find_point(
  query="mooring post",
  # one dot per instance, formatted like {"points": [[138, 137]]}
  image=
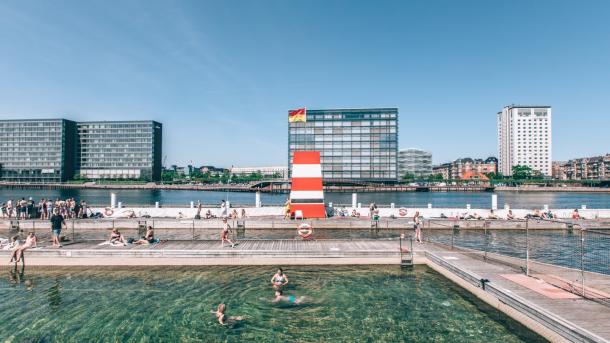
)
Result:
{"points": [[582, 264], [527, 247]]}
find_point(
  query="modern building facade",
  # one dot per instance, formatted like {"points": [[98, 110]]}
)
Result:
{"points": [[57, 150], [415, 162], [525, 138], [119, 150], [356, 145], [37, 151], [463, 168], [586, 168]]}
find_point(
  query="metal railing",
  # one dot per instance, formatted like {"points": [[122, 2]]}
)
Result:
{"points": [[575, 258]]}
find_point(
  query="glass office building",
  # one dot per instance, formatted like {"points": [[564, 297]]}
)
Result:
{"points": [[119, 150], [416, 162], [37, 151], [356, 145]]}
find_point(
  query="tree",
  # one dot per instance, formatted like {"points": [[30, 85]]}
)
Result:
{"points": [[522, 172], [435, 178], [408, 177]]}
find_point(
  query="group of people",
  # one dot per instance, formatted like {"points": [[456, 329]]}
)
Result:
{"points": [[278, 282], [44, 209]]}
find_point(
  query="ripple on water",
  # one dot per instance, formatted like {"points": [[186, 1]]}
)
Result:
{"points": [[343, 303]]}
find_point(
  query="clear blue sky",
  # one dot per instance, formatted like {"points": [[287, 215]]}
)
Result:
{"points": [[221, 75]]}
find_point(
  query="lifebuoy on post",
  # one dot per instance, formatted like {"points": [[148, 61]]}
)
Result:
{"points": [[402, 212], [305, 230], [108, 212]]}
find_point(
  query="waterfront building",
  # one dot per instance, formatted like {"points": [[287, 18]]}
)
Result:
{"points": [[212, 170], [119, 150], [586, 168], [37, 150], [356, 145], [281, 171], [415, 162], [467, 168], [525, 138]]}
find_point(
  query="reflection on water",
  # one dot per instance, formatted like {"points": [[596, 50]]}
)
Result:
{"points": [[342, 304], [407, 199], [559, 247]]}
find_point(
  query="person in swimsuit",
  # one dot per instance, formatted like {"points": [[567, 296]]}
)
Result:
{"points": [[149, 238], [279, 280], [224, 234], [116, 237], [222, 317], [30, 242], [291, 299], [416, 226]]}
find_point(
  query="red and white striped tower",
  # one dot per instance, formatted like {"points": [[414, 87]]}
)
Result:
{"points": [[306, 193]]}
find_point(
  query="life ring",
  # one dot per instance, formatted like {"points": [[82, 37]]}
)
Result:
{"points": [[108, 212], [305, 230], [402, 212]]}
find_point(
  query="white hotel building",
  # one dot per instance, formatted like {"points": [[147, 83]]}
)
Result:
{"points": [[525, 138]]}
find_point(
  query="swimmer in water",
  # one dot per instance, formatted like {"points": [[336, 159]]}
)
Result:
{"points": [[291, 299], [279, 280], [223, 319]]}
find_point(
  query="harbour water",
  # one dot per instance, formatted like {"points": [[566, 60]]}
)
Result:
{"points": [[342, 304], [525, 200]]}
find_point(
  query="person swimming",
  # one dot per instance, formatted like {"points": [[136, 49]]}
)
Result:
{"points": [[222, 317], [279, 280], [291, 299]]}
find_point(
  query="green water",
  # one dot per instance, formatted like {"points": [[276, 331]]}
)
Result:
{"points": [[172, 304]]}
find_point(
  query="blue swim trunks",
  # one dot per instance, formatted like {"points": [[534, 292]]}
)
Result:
{"points": [[56, 232]]}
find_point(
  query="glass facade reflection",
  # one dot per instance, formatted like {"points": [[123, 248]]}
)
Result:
{"points": [[354, 144], [37, 151], [119, 150]]}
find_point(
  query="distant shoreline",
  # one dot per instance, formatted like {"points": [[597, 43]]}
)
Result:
{"points": [[334, 189]]}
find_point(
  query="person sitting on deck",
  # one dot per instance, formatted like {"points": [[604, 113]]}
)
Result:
{"points": [[30, 242], [208, 214], [355, 213], [243, 213], [117, 237], [575, 214], [149, 238], [474, 216], [510, 215], [233, 214], [492, 215]]}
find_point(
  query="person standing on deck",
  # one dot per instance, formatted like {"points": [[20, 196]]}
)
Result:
{"points": [[57, 222], [224, 211], [416, 226], [224, 234]]}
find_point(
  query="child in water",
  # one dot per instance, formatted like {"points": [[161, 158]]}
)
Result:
{"points": [[291, 299], [223, 319]]}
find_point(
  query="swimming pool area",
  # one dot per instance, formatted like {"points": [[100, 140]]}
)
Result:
{"points": [[342, 304]]}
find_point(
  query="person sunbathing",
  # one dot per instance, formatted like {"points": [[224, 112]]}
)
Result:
{"points": [[116, 237], [149, 238], [30, 242]]}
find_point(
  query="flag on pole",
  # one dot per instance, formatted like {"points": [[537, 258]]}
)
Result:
{"points": [[296, 116]]}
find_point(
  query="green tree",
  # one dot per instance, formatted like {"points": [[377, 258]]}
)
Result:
{"points": [[435, 178], [522, 172], [408, 177]]}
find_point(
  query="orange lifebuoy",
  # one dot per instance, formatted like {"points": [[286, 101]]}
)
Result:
{"points": [[108, 212], [305, 230], [402, 212]]}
